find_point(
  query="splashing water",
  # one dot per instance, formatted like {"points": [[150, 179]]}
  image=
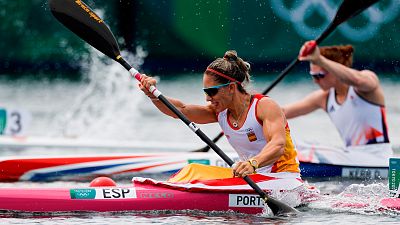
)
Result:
{"points": [[299, 196], [101, 109], [356, 198]]}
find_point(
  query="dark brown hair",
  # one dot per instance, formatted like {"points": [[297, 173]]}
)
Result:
{"points": [[232, 66], [342, 54]]}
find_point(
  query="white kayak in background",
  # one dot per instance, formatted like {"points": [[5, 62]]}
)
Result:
{"points": [[374, 155], [41, 159]]}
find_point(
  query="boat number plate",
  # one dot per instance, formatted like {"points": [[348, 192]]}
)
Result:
{"points": [[245, 200], [102, 193], [364, 173]]}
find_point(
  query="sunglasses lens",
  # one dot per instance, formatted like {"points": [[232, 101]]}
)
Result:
{"points": [[211, 91], [317, 76]]}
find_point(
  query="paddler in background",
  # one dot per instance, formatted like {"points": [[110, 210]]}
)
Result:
{"points": [[254, 124], [353, 99]]}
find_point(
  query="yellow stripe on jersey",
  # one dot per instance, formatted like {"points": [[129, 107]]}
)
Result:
{"points": [[288, 161]]}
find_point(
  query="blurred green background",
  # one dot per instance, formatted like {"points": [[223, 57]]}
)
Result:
{"points": [[180, 36]]}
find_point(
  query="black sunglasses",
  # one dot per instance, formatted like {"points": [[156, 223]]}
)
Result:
{"points": [[211, 91], [317, 75]]}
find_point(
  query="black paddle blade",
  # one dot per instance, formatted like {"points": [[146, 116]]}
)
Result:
{"points": [[80, 19], [279, 208], [351, 8]]}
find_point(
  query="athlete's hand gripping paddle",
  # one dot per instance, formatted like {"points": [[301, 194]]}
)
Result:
{"points": [[308, 48]]}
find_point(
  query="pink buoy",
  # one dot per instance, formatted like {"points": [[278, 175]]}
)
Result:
{"points": [[102, 182]]}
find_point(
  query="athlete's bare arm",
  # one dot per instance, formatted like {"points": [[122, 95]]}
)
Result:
{"points": [[310, 103]]}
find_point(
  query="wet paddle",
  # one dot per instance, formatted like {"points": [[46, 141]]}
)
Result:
{"points": [[347, 10], [81, 20]]}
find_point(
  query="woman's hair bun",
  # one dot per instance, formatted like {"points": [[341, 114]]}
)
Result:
{"points": [[231, 55]]}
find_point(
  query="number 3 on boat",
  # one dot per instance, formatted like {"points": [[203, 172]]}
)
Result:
{"points": [[14, 122]]}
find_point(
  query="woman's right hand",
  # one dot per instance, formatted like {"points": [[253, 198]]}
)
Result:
{"points": [[145, 83], [309, 52]]}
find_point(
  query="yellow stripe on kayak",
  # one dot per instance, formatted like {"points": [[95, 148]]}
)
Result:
{"points": [[195, 171]]}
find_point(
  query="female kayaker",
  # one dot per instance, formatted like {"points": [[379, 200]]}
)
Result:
{"points": [[254, 125], [353, 99]]}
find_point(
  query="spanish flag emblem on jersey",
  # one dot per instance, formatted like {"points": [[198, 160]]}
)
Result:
{"points": [[251, 135]]}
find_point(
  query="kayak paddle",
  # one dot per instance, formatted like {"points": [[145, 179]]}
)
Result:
{"points": [[80, 19], [347, 10]]}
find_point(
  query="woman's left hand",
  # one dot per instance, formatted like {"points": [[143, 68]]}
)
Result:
{"points": [[242, 169]]}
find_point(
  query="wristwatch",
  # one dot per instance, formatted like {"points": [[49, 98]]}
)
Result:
{"points": [[254, 163]]}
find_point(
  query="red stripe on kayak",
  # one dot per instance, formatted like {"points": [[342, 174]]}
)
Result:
{"points": [[146, 183], [13, 169], [234, 181]]}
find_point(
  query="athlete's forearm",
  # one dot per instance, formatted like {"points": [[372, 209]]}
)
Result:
{"points": [[271, 153], [347, 75], [164, 109]]}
